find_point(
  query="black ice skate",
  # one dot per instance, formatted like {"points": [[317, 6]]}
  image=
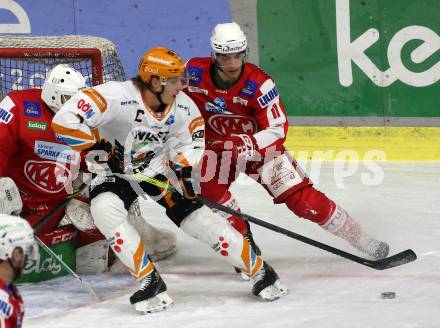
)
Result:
{"points": [[267, 285], [152, 296], [373, 247]]}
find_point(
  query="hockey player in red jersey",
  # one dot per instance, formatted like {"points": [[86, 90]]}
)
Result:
{"points": [[246, 127], [36, 167], [17, 245]]}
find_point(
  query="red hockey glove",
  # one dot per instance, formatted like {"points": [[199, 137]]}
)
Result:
{"points": [[242, 146]]}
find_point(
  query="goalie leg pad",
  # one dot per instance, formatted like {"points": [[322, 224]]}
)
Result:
{"points": [[214, 230], [160, 244], [92, 258], [78, 213]]}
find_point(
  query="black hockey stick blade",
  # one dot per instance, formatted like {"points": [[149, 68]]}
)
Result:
{"points": [[393, 261]]}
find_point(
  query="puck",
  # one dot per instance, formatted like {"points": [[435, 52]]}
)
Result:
{"points": [[388, 295]]}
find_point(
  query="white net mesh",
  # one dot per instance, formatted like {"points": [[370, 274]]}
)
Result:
{"points": [[25, 60]]}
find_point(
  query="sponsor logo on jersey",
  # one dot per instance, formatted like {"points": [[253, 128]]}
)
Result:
{"points": [[47, 176], [241, 101], [197, 90], [129, 102], [249, 89], [226, 125], [97, 98], [195, 74], [149, 136], [265, 99], [7, 104], [170, 120], [56, 152], [34, 125], [219, 106], [221, 91], [6, 308], [5, 116], [86, 108], [32, 109]]}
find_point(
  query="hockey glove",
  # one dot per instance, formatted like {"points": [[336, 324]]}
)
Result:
{"points": [[10, 199], [187, 182], [114, 158], [241, 146]]}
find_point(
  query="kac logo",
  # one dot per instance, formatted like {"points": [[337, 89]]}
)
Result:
{"points": [[354, 51]]}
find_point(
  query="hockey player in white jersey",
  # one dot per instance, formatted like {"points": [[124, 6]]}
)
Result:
{"points": [[160, 131]]}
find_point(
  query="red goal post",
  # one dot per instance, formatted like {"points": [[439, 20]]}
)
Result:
{"points": [[25, 60]]}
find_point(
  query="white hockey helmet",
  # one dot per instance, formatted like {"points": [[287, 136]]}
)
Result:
{"points": [[228, 38], [16, 232], [61, 83]]}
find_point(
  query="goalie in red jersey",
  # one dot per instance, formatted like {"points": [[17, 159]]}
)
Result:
{"points": [[246, 127]]}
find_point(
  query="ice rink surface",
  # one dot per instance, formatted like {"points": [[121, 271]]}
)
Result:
{"points": [[325, 290]]}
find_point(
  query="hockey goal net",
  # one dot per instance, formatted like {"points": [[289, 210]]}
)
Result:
{"points": [[25, 60]]}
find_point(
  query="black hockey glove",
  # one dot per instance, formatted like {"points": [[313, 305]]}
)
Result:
{"points": [[187, 181], [115, 157]]}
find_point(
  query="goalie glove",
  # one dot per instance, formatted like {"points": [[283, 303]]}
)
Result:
{"points": [[10, 200], [242, 146]]}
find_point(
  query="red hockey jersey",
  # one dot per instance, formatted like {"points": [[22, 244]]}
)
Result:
{"points": [[252, 106], [30, 153], [11, 307]]}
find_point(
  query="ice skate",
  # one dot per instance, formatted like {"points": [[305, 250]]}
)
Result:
{"points": [[267, 285], [152, 296], [373, 247]]}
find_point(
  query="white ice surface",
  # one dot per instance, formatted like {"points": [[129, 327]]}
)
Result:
{"points": [[325, 290]]}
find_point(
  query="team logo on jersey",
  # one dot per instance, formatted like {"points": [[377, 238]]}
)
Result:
{"points": [[170, 120], [32, 109], [195, 74], [34, 125], [47, 176], [226, 125], [5, 116], [266, 99], [56, 152], [249, 89]]}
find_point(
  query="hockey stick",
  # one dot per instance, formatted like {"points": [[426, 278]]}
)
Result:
{"points": [[60, 206], [386, 263], [85, 284]]}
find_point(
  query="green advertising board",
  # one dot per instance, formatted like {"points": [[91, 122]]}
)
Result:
{"points": [[45, 267], [369, 58]]}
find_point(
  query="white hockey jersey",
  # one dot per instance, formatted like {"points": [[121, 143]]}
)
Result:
{"points": [[115, 111]]}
